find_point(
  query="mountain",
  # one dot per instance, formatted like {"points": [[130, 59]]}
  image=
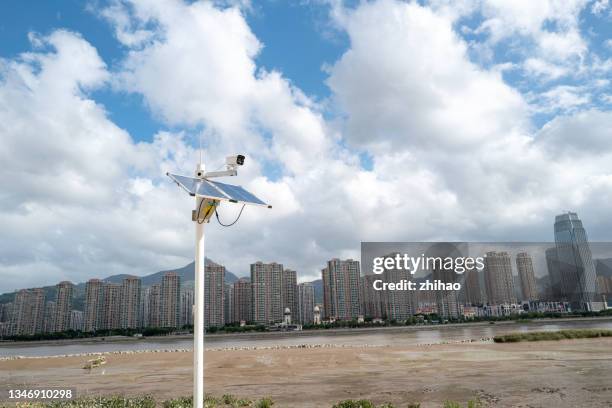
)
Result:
{"points": [[318, 290], [187, 274]]}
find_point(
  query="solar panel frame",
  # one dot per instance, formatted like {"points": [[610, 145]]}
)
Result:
{"points": [[237, 193], [216, 190]]}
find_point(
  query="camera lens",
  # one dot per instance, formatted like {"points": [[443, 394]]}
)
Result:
{"points": [[240, 160]]}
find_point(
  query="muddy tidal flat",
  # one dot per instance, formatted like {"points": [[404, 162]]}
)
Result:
{"points": [[568, 373]]}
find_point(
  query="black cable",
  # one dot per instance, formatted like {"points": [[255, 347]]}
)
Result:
{"points": [[235, 221]]}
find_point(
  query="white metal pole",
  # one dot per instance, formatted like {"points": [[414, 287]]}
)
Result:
{"points": [[198, 321]]}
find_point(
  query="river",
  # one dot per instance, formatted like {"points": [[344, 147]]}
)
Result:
{"points": [[388, 336]]}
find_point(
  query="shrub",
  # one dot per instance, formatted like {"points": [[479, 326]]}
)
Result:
{"points": [[554, 335]]}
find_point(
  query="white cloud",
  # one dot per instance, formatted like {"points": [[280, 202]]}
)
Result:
{"points": [[599, 6], [455, 155], [74, 196], [563, 98]]}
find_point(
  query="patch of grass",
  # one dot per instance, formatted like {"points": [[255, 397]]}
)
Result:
{"points": [[98, 402], [552, 335], [226, 401], [470, 404], [355, 404]]}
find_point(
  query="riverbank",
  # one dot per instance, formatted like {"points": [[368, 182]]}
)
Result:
{"points": [[566, 373]]}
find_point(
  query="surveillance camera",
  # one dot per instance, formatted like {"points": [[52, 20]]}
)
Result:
{"points": [[237, 160]]}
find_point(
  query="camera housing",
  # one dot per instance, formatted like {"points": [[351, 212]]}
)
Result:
{"points": [[231, 168], [236, 160]]}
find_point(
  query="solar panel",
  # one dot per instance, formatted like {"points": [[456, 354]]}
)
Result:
{"points": [[215, 190], [237, 193]]}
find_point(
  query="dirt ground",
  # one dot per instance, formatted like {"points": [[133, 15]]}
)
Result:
{"points": [[570, 373]]}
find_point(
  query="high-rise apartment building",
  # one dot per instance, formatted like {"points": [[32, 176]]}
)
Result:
{"points": [[130, 302], [6, 312], [526, 273], [6, 319], [554, 274], [289, 293], [577, 270], [499, 282], [228, 303], [144, 307], [214, 295], [76, 320], [372, 302], [28, 312], [49, 319], [63, 305], [266, 289], [170, 300], [110, 313], [242, 310], [327, 292], [93, 305], [187, 302], [155, 306], [305, 304], [604, 285], [471, 287], [397, 304], [341, 281]]}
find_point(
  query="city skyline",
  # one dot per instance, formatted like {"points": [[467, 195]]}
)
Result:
{"points": [[273, 295]]}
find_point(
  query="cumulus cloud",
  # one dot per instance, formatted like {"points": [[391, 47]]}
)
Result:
{"points": [[75, 201], [454, 152]]}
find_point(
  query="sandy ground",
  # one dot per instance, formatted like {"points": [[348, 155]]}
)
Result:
{"points": [[570, 373]]}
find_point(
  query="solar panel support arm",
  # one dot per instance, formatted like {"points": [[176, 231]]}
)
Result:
{"points": [[224, 173]]}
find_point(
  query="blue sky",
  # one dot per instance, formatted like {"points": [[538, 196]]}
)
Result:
{"points": [[297, 38], [375, 120]]}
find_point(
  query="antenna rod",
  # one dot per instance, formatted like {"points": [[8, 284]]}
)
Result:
{"points": [[200, 147]]}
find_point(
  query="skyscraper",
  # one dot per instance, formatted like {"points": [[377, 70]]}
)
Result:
{"points": [[228, 303], [289, 293], [93, 305], [524, 265], [242, 310], [341, 289], [327, 291], [577, 271], [6, 312], [472, 289], [214, 295], [28, 312], [170, 300], [604, 285], [499, 282], [187, 302], [372, 302], [305, 305], [130, 302], [266, 285], [447, 301], [554, 274], [49, 320], [396, 304], [63, 305], [76, 320], [155, 306], [110, 313]]}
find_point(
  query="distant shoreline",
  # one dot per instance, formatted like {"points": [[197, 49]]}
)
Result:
{"points": [[305, 333]]}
